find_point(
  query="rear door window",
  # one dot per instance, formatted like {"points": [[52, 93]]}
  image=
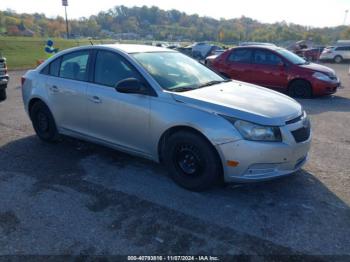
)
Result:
{"points": [[240, 56], [75, 66]]}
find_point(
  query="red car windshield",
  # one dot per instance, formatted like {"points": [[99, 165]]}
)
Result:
{"points": [[291, 57]]}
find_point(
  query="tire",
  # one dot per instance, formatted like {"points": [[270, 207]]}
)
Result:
{"points": [[43, 122], [301, 89], [192, 161], [3, 95], [338, 59]]}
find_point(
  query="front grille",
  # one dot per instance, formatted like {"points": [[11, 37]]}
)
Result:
{"points": [[294, 120], [301, 134]]}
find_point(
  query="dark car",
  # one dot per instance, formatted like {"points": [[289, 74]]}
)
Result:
{"points": [[4, 78], [278, 69], [312, 54]]}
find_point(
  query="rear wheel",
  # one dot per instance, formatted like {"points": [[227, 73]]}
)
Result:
{"points": [[300, 88], [43, 122], [338, 59], [2, 94], [192, 161]]}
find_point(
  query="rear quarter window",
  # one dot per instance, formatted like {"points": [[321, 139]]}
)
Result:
{"points": [[53, 68]]}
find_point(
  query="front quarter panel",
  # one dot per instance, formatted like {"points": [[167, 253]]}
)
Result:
{"points": [[167, 113]]}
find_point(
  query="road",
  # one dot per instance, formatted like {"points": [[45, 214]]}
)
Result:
{"points": [[75, 197]]}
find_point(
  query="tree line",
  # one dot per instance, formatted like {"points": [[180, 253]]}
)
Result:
{"points": [[156, 24]]}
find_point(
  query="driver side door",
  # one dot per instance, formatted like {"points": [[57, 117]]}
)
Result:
{"points": [[119, 119]]}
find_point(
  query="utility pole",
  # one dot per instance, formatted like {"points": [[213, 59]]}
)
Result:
{"points": [[65, 4], [345, 16]]}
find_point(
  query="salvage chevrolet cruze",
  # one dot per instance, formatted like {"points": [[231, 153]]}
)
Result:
{"points": [[162, 105]]}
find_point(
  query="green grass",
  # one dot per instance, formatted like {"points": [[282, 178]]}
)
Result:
{"points": [[23, 52]]}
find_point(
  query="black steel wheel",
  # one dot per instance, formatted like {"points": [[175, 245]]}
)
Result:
{"points": [[43, 122], [192, 161], [301, 89]]}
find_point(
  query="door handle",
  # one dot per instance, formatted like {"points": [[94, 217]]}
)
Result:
{"points": [[54, 89], [95, 99]]}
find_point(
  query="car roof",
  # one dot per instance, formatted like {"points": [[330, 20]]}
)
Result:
{"points": [[133, 48], [270, 47]]}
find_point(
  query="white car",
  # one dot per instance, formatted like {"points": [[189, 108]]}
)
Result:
{"points": [[336, 53]]}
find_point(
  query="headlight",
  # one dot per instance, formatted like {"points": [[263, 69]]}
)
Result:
{"points": [[321, 76], [255, 132]]}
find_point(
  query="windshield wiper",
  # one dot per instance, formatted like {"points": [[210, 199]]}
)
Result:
{"points": [[182, 89], [211, 83]]}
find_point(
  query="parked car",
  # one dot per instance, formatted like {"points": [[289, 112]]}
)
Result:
{"points": [[278, 69], [165, 106], [4, 78], [312, 54], [202, 50], [255, 43], [336, 54]]}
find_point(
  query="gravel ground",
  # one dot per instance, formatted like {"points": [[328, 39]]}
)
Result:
{"points": [[76, 198]]}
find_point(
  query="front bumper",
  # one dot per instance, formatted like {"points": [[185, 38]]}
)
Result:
{"points": [[260, 161], [320, 88]]}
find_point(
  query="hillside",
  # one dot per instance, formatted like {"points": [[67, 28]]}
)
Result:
{"points": [[153, 23]]}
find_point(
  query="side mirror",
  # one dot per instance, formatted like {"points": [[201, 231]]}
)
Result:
{"points": [[131, 86]]}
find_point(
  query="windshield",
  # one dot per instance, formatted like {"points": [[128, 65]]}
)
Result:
{"points": [[291, 57], [177, 72]]}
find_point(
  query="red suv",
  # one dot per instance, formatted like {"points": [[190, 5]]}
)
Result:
{"points": [[277, 68]]}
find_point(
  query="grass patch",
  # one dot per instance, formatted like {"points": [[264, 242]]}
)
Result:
{"points": [[23, 52]]}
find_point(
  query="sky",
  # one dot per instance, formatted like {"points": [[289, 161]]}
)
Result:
{"points": [[315, 13]]}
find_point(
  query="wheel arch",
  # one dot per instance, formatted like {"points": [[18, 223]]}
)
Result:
{"points": [[35, 100], [181, 128], [341, 57], [290, 83]]}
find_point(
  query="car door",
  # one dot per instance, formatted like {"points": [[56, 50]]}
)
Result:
{"points": [[120, 119], [66, 84], [238, 64], [268, 69]]}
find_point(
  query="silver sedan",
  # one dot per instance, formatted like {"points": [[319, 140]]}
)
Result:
{"points": [[162, 105]]}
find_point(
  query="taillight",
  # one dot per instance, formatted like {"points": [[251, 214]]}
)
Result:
{"points": [[23, 79]]}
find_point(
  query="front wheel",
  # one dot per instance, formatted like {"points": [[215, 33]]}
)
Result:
{"points": [[3, 94], [301, 89], [192, 161], [43, 122]]}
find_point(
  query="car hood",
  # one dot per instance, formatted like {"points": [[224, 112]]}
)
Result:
{"points": [[212, 57], [319, 68], [243, 101]]}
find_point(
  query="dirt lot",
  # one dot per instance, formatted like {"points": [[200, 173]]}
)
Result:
{"points": [[79, 198]]}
